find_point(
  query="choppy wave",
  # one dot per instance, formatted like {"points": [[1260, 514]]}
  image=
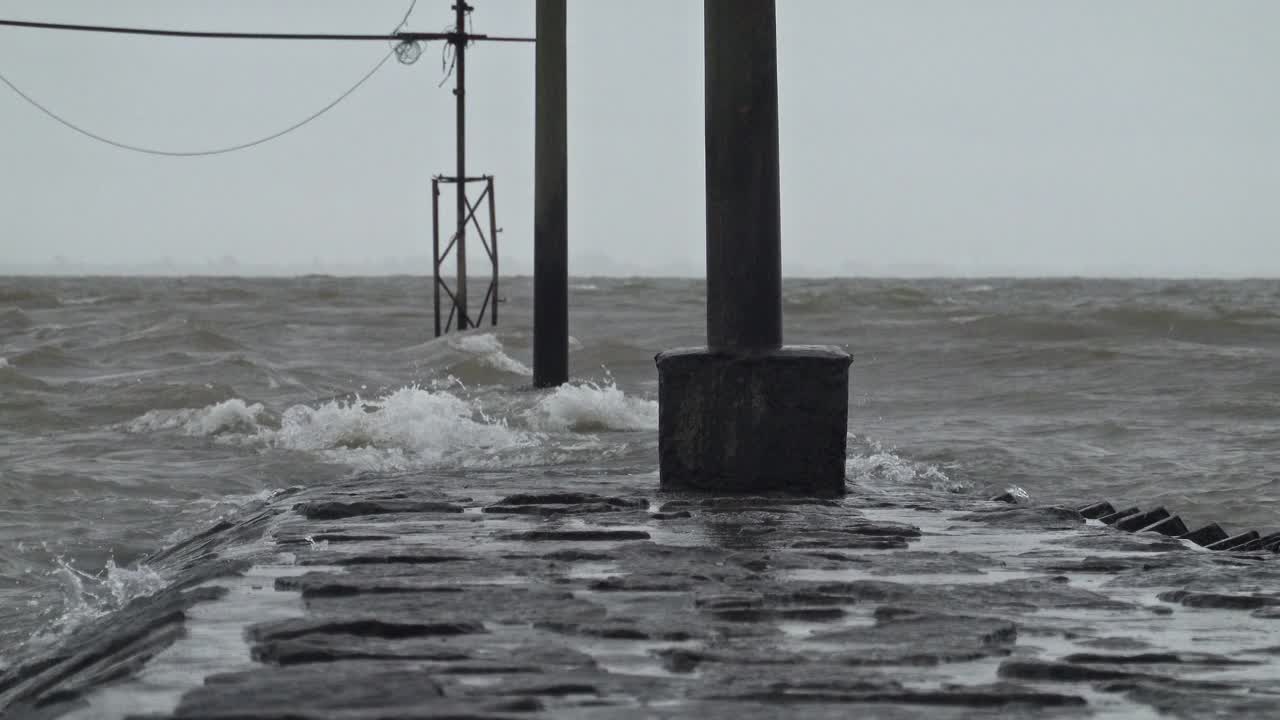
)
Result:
{"points": [[233, 416], [411, 427], [1123, 321], [871, 464], [118, 298], [46, 356], [839, 297], [85, 596], [490, 352], [11, 377], [171, 336], [122, 400], [587, 407], [13, 320], [218, 295], [143, 395], [29, 298]]}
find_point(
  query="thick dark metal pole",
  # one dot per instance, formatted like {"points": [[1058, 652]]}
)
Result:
{"points": [[744, 231], [460, 91], [550, 202], [746, 414]]}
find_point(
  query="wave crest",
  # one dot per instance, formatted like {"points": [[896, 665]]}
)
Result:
{"points": [[86, 596], [587, 407], [28, 298], [13, 320], [881, 467], [429, 425], [408, 428], [488, 349], [233, 416]]}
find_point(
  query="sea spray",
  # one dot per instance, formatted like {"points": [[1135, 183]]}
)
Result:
{"points": [[86, 596], [880, 467], [588, 407], [429, 425]]}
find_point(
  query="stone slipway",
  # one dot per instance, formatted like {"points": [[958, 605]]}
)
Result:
{"points": [[392, 598]]}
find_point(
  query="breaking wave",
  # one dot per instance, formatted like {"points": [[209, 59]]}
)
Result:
{"points": [[880, 467], [413, 427], [227, 417], [488, 349], [87, 596], [410, 427], [587, 407]]}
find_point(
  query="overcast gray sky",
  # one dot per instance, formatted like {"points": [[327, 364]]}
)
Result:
{"points": [[918, 136]]}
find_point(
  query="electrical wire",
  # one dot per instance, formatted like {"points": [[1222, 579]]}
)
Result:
{"points": [[221, 150], [198, 153], [220, 35], [405, 20], [192, 33]]}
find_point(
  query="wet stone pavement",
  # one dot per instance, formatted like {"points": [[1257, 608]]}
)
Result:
{"points": [[380, 599]]}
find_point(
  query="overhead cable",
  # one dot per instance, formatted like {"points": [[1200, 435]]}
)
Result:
{"points": [[220, 35], [397, 51], [197, 153]]}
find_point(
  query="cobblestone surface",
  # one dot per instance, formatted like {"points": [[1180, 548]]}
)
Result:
{"points": [[382, 598]]}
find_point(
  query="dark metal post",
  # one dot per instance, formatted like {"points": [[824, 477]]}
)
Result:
{"points": [[435, 245], [493, 248], [746, 414], [550, 201], [460, 91], [744, 230]]}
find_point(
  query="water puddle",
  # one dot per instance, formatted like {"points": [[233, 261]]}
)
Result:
{"points": [[214, 643]]}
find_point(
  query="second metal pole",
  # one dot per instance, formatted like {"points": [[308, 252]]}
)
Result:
{"points": [[550, 201], [460, 91], [744, 230]]}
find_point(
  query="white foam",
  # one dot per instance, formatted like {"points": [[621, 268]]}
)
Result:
{"points": [[86, 596], [415, 427], [410, 427], [1018, 494], [233, 416], [488, 348], [587, 407], [882, 467], [4, 363]]}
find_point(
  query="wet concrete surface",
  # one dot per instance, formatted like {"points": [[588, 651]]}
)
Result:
{"points": [[383, 598]]}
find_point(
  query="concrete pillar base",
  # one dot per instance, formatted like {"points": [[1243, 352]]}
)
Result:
{"points": [[753, 422]]}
